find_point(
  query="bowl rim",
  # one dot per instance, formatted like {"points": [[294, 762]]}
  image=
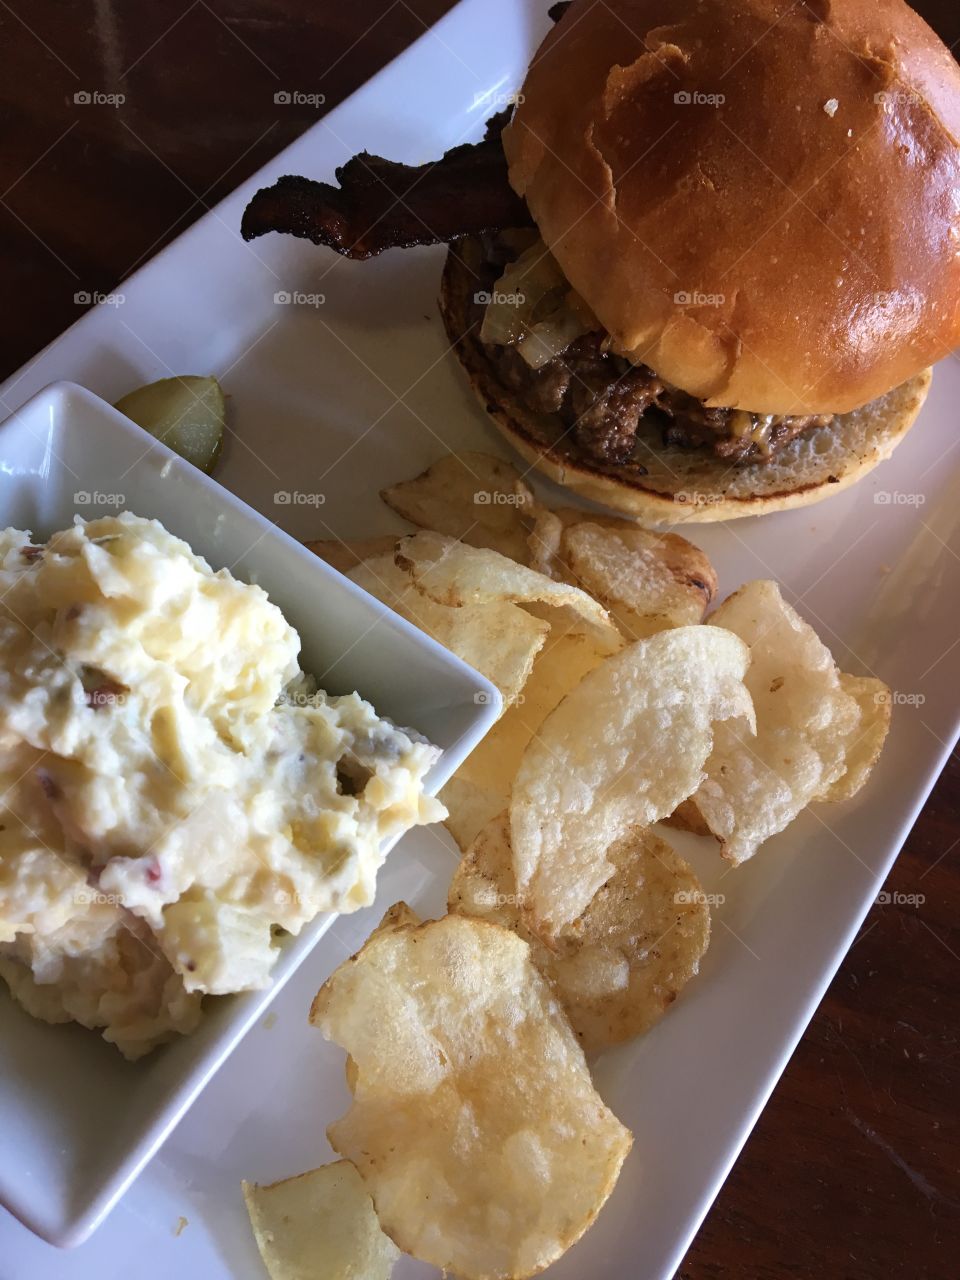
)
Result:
{"points": [[50, 1222]]}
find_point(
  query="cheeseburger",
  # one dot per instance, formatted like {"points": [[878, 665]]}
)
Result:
{"points": [[702, 266]]}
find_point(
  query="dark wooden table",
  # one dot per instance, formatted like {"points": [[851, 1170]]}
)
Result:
{"points": [[852, 1171]]}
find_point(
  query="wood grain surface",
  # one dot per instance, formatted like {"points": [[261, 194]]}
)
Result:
{"points": [[852, 1171]]}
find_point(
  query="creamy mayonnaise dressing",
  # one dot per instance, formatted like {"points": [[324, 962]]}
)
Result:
{"points": [[173, 791]]}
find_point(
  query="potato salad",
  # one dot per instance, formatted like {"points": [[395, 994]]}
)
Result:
{"points": [[175, 793]]}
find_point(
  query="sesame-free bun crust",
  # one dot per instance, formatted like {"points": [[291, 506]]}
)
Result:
{"points": [[813, 215], [672, 485]]}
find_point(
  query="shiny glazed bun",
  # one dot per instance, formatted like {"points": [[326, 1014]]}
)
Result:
{"points": [[759, 199]]}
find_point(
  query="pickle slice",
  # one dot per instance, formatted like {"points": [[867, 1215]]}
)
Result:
{"points": [[186, 413]]}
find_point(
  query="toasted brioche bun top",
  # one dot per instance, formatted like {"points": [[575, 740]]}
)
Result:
{"points": [[793, 248]]}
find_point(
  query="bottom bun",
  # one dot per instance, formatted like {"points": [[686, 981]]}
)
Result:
{"points": [[667, 484]]}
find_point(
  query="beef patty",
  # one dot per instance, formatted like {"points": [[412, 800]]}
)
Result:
{"points": [[601, 397]]}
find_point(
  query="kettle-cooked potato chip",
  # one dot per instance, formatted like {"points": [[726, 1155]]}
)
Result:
{"points": [[622, 750], [475, 1123], [471, 496], [320, 1223], [813, 738], [647, 581], [451, 573], [480, 789], [543, 543], [875, 703], [621, 964], [498, 638]]}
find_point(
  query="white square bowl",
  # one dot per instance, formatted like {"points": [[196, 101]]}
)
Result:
{"points": [[79, 1121]]}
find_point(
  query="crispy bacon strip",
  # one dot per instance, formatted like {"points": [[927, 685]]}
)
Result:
{"points": [[380, 204]]}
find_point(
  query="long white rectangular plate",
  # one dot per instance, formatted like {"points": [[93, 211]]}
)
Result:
{"points": [[340, 397]]}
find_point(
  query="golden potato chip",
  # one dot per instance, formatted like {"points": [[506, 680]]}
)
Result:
{"points": [[875, 703], [499, 639], [480, 789], [469, 797], [345, 556], [475, 1123], [474, 497], [807, 726], [543, 542], [647, 581], [625, 960], [380, 576], [622, 750], [394, 917], [454, 574], [320, 1223], [569, 516]]}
